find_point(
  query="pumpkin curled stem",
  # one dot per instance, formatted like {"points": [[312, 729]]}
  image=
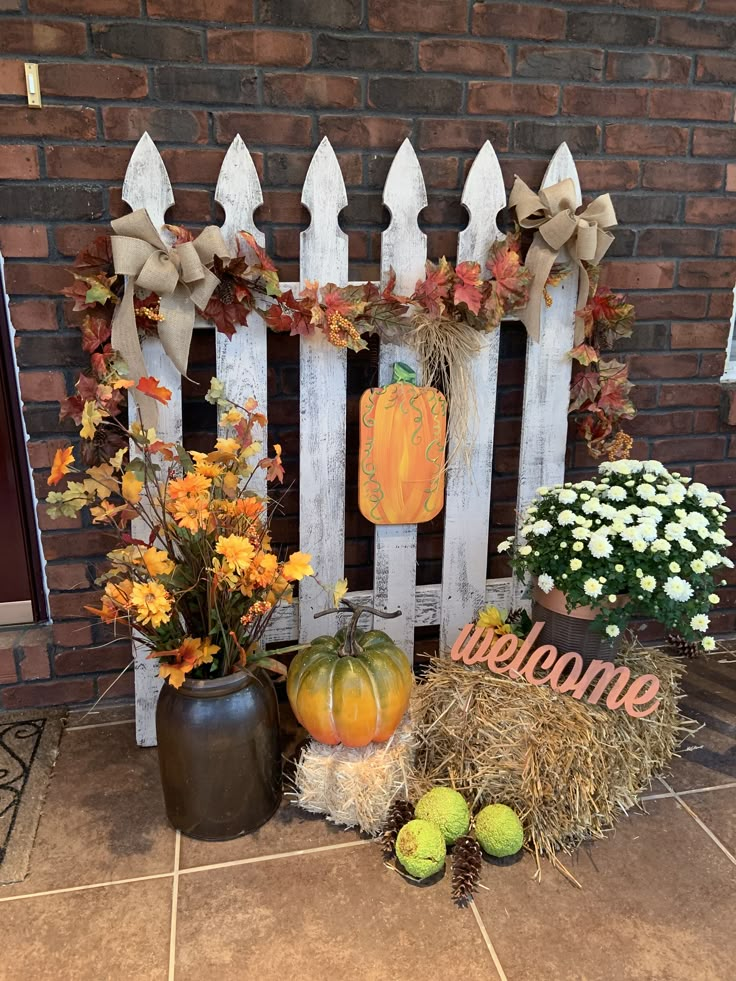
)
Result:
{"points": [[350, 647]]}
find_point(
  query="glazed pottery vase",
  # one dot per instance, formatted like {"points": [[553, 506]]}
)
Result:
{"points": [[219, 754], [572, 631]]}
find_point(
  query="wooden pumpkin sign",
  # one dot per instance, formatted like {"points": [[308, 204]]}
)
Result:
{"points": [[403, 431]]}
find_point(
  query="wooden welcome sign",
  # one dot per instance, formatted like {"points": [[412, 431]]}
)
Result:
{"points": [[566, 672]]}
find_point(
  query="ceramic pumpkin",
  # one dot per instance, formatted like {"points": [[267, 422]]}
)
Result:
{"points": [[352, 688], [403, 429]]}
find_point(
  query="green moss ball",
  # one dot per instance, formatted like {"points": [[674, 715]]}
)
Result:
{"points": [[420, 848], [499, 831], [446, 809]]}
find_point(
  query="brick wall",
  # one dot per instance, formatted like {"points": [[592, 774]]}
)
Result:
{"points": [[642, 91]]}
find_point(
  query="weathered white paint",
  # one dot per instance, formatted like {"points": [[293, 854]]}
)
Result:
{"points": [[322, 397], [468, 494], [547, 381], [242, 362], [147, 185], [403, 249]]}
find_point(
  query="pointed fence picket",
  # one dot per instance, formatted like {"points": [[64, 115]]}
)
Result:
{"points": [[242, 365]]}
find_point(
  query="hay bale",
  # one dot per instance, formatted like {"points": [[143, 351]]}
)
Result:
{"points": [[567, 767], [355, 787]]}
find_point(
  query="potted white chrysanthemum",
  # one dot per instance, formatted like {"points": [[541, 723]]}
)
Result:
{"points": [[639, 541]]}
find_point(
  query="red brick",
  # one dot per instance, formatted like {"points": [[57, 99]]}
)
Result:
{"points": [[81, 544], [8, 674], [257, 47], [34, 315], [656, 141], [85, 660], [710, 211], [34, 663], [71, 239], [716, 68], [579, 100], [707, 273], [727, 245], [542, 23], [118, 686], [731, 177], [223, 11], [608, 175], [638, 275], [644, 396], [730, 414], [712, 365], [697, 32], [48, 693], [716, 474], [676, 241], [302, 89], [169, 125], [35, 278], [42, 386], [710, 104], [643, 66], [560, 64], [71, 605], [65, 577], [424, 16], [23, 241], [461, 134], [667, 306], [19, 163], [282, 207], [191, 205], [699, 335], [114, 8], [46, 523], [266, 128], [689, 450], [12, 77], [67, 122], [511, 97], [705, 421], [36, 37], [72, 633], [661, 424], [713, 141], [93, 163], [369, 132], [464, 57], [679, 175], [721, 305], [81, 81], [694, 394], [663, 365]]}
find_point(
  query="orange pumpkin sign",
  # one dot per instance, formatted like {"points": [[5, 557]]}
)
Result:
{"points": [[403, 431]]}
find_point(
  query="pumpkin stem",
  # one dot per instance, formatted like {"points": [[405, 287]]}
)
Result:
{"points": [[403, 373], [350, 646]]}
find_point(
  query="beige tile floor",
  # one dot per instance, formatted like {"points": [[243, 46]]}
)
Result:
{"points": [[115, 895]]}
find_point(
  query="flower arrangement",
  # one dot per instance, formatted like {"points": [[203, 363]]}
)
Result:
{"points": [[202, 586], [638, 531]]}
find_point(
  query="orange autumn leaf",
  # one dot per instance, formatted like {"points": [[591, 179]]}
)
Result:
{"points": [[151, 388], [61, 465]]}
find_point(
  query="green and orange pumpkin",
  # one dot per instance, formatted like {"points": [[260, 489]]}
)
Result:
{"points": [[351, 688]]}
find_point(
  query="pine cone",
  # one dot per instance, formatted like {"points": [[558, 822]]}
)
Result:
{"points": [[225, 291], [683, 648], [515, 615], [399, 814], [467, 861]]}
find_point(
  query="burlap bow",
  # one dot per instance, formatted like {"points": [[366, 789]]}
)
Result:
{"points": [[552, 214], [178, 276]]}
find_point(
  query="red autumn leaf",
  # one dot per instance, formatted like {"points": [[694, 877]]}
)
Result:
{"points": [[584, 354], [150, 387], [264, 260], [87, 387], [277, 320], [511, 278], [273, 466], [78, 292], [301, 322], [335, 303], [432, 292], [181, 235], [388, 290], [97, 254], [225, 316], [584, 389], [95, 331], [163, 449], [468, 286], [71, 408]]}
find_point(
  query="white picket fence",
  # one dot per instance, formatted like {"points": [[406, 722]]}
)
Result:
{"points": [[242, 365]]}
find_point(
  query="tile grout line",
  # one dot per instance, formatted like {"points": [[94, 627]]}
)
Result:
{"points": [[174, 906], [684, 793], [89, 885], [698, 820], [101, 725], [487, 939]]}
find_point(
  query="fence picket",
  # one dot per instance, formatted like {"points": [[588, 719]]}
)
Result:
{"points": [[242, 361], [468, 495], [322, 397], [147, 185], [547, 381], [403, 249]]}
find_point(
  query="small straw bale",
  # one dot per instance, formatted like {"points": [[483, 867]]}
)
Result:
{"points": [[355, 787], [567, 767]]}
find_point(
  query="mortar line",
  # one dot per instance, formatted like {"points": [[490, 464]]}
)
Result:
{"points": [[488, 942]]}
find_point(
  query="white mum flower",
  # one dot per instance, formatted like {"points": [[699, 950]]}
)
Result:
{"points": [[662, 500], [697, 565], [592, 588], [525, 550], [727, 562], [542, 491], [647, 531], [542, 528], [701, 621], [591, 506], [618, 567], [567, 496], [652, 514], [694, 520], [607, 511], [645, 491], [687, 545], [653, 466], [650, 478], [674, 531], [678, 589], [710, 558], [660, 545], [616, 493], [708, 644], [599, 546], [566, 517], [648, 583], [612, 630], [698, 490], [525, 529], [639, 545], [586, 485], [714, 599], [580, 533], [505, 545], [546, 583], [674, 567], [576, 564]]}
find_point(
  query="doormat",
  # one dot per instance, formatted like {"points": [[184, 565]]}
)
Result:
{"points": [[29, 744]]}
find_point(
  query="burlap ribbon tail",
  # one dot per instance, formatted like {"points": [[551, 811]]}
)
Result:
{"points": [[551, 213], [178, 276]]}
